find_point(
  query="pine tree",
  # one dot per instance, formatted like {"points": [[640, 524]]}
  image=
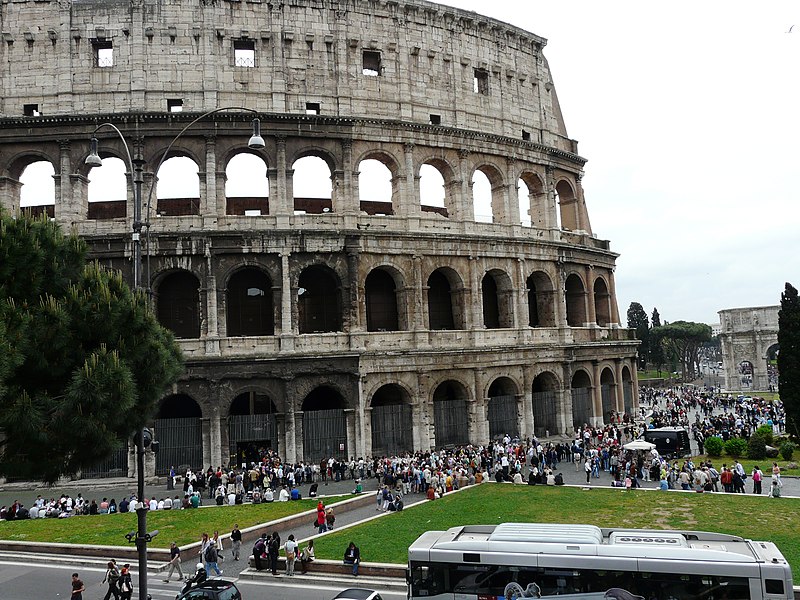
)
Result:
{"points": [[83, 360], [789, 357], [656, 348]]}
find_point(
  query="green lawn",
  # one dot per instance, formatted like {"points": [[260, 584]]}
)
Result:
{"points": [[387, 539], [181, 526], [765, 465]]}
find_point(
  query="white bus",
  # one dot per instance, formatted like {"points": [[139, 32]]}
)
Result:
{"points": [[516, 560]]}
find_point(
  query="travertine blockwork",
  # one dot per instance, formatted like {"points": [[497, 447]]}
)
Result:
{"points": [[749, 339], [332, 326]]}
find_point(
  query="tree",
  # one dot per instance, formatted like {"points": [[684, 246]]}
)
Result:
{"points": [[789, 357], [637, 319], [83, 360], [656, 349], [683, 339]]}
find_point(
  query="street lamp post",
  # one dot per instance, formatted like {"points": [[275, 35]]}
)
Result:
{"points": [[143, 437]]}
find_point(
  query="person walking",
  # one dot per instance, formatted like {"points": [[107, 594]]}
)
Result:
{"points": [[322, 526], [77, 588], [111, 576], [290, 547], [174, 562], [236, 542], [125, 584], [219, 546], [204, 539], [211, 557], [757, 476]]}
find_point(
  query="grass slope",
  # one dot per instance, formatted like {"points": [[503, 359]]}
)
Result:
{"points": [[388, 539]]}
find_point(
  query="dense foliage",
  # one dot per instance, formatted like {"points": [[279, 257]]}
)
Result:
{"points": [[789, 357], [682, 339], [637, 319], [735, 447], [714, 446], [83, 361]]}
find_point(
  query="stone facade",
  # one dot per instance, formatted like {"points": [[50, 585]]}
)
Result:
{"points": [[749, 339], [331, 326]]}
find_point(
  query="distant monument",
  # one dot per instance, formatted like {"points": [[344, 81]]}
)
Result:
{"points": [[749, 339]]}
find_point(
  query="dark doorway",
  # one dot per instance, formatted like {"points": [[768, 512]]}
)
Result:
{"points": [[249, 304]]}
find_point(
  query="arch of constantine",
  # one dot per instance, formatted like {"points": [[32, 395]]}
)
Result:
{"points": [[343, 324], [749, 340]]}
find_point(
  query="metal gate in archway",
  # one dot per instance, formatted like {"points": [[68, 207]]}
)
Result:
{"points": [[258, 429], [627, 390], [503, 417], [609, 404], [391, 429], [581, 406], [114, 465], [324, 434], [545, 415], [181, 444], [451, 423]]}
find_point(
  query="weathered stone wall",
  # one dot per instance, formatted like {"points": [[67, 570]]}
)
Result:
{"points": [[748, 334]]}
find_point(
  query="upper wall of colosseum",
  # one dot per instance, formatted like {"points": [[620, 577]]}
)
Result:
{"points": [[400, 59]]}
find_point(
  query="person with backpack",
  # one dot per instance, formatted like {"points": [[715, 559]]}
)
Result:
{"points": [[111, 576], [273, 549], [211, 557]]}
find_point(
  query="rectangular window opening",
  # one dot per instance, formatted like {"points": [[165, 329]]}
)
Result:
{"points": [[174, 105], [480, 82], [244, 53], [103, 53], [31, 110], [526, 135], [312, 108], [435, 119], [372, 63]]}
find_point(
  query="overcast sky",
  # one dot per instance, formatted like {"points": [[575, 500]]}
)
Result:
{"points": [[688, 115]]}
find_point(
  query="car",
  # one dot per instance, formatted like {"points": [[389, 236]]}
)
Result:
{"points": [[357, 594], [212, 589]]}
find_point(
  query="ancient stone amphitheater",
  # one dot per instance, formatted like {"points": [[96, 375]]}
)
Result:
{"points": [[345, 324]]}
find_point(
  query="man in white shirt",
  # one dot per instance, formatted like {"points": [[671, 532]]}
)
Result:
{"points": [[284, 495]]}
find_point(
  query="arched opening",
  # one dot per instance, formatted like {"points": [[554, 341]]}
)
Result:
{"points": [[108, 189], [432, 188], [545, 405], [38, 192], [532, 201], [608, 394], [252, 428], [324, 425], [581, 392], [541, 300], [375, 189], [178, 187], [524, 202], [568, 206], [178, 429], [249, 304], [602, 302], [576, 301], [451, 424], [745, 369], [178, 304], [444, 308], [627, 391], [482, 197], [319, 300], [392, 425], [246, 186], [380, 295], [497, 300], [772, 367], [502, 409], [312, 186]]}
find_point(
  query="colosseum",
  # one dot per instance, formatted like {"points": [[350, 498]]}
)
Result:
{"points": [[460, 298]]}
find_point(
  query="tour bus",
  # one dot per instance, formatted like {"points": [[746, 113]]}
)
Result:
{"points": [[520, 560]]}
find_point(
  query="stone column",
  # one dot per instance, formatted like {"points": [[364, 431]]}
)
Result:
{"points": [[620, 386], [216, 437], [352, 436], [287, 328], [528, 423], [9, 194], [68, 209], [292, 419], [612, 289], [408, 202], [347, 199], [591, 313], [597, 397], [351, 312], [463, 205], [212, 200], [417, 307], [550, 218], [511, 193], [473, 299], [565, 398], [78, 203], [207, 437], [281, 201]]}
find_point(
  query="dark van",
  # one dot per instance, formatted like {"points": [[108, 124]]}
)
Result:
{"points": [[672, 442]]}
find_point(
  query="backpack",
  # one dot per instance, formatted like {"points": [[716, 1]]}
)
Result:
{"points": [[210, 554]]}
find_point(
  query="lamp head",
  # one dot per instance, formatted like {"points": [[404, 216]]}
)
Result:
{"points": [[256, 142], [93, 160]]}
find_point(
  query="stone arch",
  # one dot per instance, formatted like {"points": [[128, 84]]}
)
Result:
{"points": [[391, 420], [312, 181], [324, 424], [502, 411], [17, 163], [246, 184], [378, 184], [602, 302], [575, 296], [581, 395], [178, 428], [382, 289], [249, 309], [491, 199], [252, 426], [445, 301], [450, 414], [608, 394], [178, 303], [544, 395], [319, 302], [178, 185], [532, 200], [628, 396], [498, 300], [37, 189], [542, 299], [567, 205], [436, 196]]}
